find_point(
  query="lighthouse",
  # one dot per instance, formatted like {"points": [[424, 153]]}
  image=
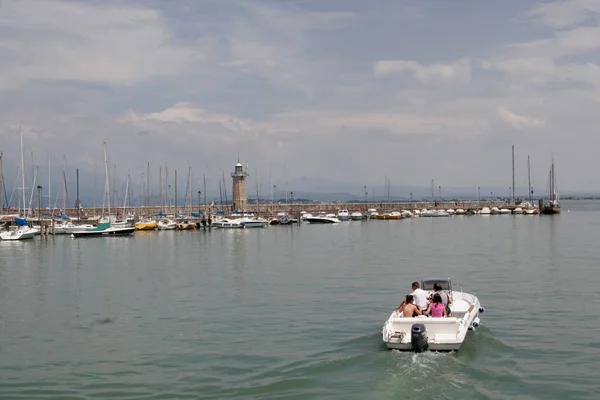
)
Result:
{"points": [[239, 187]]}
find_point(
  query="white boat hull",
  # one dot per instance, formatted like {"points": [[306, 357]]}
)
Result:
{"points": [[443, 334], [18, 234]]}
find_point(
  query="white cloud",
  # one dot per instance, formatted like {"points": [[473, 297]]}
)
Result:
{"points": [[459, 71], [82, 42], [565, 13], [517, 121]]}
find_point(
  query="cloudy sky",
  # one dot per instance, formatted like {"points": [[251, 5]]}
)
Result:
{"points": [[338, 90]]}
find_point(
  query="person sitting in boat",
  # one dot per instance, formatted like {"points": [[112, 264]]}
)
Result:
{"points": [[420, 296], [436, 309], [408, 307], [437, 289]]}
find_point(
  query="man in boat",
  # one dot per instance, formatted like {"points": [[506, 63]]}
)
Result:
{"points": [[420, 296]]}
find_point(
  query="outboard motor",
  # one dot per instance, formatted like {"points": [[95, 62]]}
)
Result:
{"points": [[418, 338]]}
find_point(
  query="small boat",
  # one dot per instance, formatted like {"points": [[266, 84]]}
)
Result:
{"points": [[226, 223], [186, 226], [390, 215], [17, 233], [104, 229], [460, 211], [322, 219], [423, 333], [451, 211], [166, 225], [356, 216], [494, 210], [256, 222], [518, 210], [551, 205], [146, 225], [434, 213], [343, 215], [485, 211], [504, 211], [273, 221]]}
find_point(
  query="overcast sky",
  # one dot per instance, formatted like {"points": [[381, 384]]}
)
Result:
{"points": [[344, 90]]}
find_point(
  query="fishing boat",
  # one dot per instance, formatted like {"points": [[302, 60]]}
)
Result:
{"points": [[424, 333], [551, 205]]}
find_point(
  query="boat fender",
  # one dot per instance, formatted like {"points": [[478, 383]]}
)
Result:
{"points": [[418, 338], [481, 309]]}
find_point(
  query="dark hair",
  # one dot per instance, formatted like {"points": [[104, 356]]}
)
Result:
{"points": [[437, 286], [415, 285], [409, 298], [437, 298]]}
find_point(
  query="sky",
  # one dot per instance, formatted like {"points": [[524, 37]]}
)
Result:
{"points": [[336, 92]]}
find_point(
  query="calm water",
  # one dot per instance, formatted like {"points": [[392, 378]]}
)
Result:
{"points": [[296, 312]]}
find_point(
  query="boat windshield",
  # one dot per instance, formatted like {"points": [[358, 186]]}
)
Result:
{"points": [[428, 284]]}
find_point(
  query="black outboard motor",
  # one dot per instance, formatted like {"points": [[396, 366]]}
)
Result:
{"points": [[418, 338]]}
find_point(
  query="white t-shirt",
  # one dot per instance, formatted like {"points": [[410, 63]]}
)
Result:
{"points": [[420, 298]]}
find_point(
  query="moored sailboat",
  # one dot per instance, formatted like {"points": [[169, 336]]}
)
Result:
{"points": [[551, 205]]}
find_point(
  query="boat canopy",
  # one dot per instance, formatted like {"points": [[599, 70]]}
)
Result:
{"points": [[100, 227], [20, 221]]}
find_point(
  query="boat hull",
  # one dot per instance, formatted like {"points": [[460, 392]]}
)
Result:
{"points": [[549, 210], [127, 231], [17, 235]]}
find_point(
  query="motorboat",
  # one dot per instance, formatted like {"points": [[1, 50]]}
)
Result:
{"points": [[255, 222], [518, 210], [166, 225], [434, 213], [372, 213], [305, 215], [146, 225], [460, 211], [530, 211], [226, 223], [186, 225], [485, 211], [287, 220], [390, 215], [18, 233], [406, 214], [356, 216], [322, 219], [104, 229], [451, 211], [424, 333], [494, 211], [504, 211], [343, 215]]}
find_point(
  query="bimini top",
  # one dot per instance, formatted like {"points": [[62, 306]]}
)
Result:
{"points": [[428, 284]]}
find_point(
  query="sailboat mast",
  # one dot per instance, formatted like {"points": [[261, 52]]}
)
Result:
{"points": [[1, 186], [175, 193], [22, 172], [513, 174], [107, 180], [220, 192], [204, 191], [126, 193], [49, 183], [529, 181], [553, 188], [148, 188], [160, 187]]}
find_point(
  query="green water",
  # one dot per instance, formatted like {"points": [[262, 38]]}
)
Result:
{"points": [[296, 312]]}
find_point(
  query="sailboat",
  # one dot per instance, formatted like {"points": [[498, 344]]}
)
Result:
{"points": [[20, 231], [551, 205], [105, 228]]}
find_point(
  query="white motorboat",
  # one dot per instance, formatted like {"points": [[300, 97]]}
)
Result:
{"points": [[406, 214], [18, 233], [451, 211], [530, 211], [434, 213], [494, 211], [166, 225], [104, 229], [356, 216], [305, 215], [423, 333], [226, 223], [254, 222], [460, 211], [322, 219], [485, 211], [518, 210], [343, 215], [372, 213], [504, 211]]}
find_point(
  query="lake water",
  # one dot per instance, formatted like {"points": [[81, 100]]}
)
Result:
{"points": [[296, 312]]}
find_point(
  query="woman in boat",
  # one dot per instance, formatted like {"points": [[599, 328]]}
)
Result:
{"points": [[408, 307], [437, 308]]}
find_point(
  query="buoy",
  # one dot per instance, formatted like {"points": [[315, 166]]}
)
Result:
{"points": [[481, 309]]}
